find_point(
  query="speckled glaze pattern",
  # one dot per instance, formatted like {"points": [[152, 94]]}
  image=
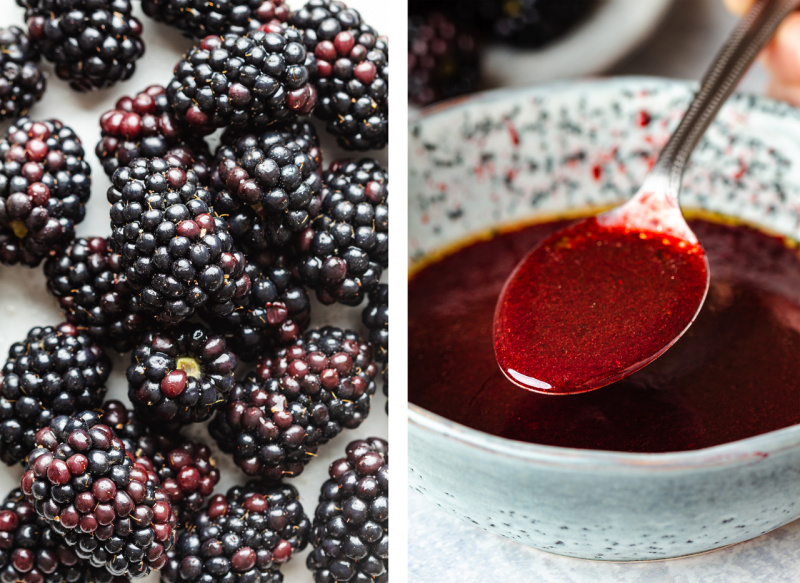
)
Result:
{"points": [[513, 156]]}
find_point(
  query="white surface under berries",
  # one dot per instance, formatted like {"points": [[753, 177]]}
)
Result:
{"points": [[25, 303]]}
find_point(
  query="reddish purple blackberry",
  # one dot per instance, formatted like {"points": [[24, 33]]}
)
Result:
{"points": [[350, 534], [198, 19], [44, 184], [54, 371], [143, 126], [344, 250], [443, 59], [87, 488], [181, 375], [176, 252], [242, 537], [92, 43], [243, 81], [296, 401], [94, 294], [22, 83], [276, 311]]}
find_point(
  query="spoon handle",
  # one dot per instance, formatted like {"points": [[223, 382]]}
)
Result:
{"points": [[755, 29]]}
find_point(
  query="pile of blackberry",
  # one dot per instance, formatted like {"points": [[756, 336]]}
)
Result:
{"points": [[92, 43], [297, 400], [22, 83], [44, 184], [350, 534], [198, 19]]}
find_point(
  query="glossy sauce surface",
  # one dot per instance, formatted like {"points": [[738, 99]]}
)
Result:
{"points": [[734, 374]]}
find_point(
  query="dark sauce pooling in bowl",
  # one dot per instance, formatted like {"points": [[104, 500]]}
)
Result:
{"points": [[734, 374]]}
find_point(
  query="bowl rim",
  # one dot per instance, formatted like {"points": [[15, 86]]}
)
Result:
{"points": [[747, 450]]}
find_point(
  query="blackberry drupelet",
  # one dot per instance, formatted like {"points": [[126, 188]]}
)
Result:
{"points": [[299, 399], [243, 81], [443, 59], [242, 537], [22, 83], [350, 535], [275, 311], [343, 252], [54, 371], [92, 43], [198, 19], [94, 294], [143, 126], [181, 375], [107, 507], [44, 184], [176, 252]]}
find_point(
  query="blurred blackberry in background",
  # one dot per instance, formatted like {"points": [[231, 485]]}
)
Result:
{"points": [[22, 83], [44, 184], [344, 250], [54, 371], [243, 81], [180, 376], [443, 59], [241, 537], [176, 252], [298, 399], [533, 23], [94, 294], [92, 43], [350, 534], [143, 126], [199, 18], [109, 509]]}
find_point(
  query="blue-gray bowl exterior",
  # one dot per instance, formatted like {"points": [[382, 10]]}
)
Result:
{"points": [[510, 157]]}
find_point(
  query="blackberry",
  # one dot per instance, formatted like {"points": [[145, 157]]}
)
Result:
{"points": [[276, 178], [242, 537], [94, 294], [443, 59], [376, 318], [176, 252], [243, 81], [107, 507], [533, 23], [275, 311], [299, 399], [54, 371], [350, 535], [22, 83], [44, 184], [344, 250], [198, 19], [92, 43], [181, 376], [144, 126]]}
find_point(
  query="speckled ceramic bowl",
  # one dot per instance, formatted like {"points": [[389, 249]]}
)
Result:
{"points": [[510, 156]]}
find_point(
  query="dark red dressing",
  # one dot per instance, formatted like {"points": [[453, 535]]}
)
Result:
{"points": [[734, 374], [592, 304]]}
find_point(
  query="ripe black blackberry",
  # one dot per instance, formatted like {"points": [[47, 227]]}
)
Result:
{"points": [[295, 401], [22, 83], [176, 252], [94, 294], [242, 537], [181, 375], [107, 507], [198, 19], [443, 59], [92, 43], [376, 318], [143, 126], [350, 535], [344, 250], [54, 371], [243, 81], [44, 184], [275, 311]]}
